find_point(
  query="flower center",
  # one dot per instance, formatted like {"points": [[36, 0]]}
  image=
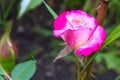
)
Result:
{"points": [[77, 21]]}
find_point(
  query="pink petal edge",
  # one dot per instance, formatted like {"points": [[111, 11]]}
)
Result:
{"points": [[95, 44]]}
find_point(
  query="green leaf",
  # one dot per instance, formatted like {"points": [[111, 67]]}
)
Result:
{"points": [[23, 7], [118, 78], [111, 58], [24, 71], [52, 12], [27, 5], [1, 72], [1, 78], [115, 34], [34, 3], [44, 32]]}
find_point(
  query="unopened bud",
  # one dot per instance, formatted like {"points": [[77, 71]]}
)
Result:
{"points": [[8, 53]]}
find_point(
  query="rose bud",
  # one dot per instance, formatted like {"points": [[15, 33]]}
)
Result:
{"points": [[8, 53]]}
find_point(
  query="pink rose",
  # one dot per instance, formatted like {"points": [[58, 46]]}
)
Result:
{"points": [[80, 31]]}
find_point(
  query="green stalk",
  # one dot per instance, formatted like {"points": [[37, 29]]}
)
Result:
{"points": [[2, 9], [89, 62], [9, 8], [5, 73], [84, 73], [78, 70], [88, 69]]}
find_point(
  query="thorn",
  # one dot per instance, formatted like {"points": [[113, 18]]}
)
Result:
{"points": [[97, 8]]}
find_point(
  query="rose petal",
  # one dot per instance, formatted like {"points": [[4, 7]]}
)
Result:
{"points": [[94, 44], [88, 21], [60, 21], [77, 38], [73, 20]]}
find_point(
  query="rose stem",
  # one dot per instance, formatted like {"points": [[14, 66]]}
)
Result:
{"points": [[102, 11], [100, 17], [79, 70]]}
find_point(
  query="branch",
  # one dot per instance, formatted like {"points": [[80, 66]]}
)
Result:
{"points": [[102, 11]]}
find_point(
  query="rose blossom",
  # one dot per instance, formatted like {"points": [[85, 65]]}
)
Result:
{"points": [[80, 31]]}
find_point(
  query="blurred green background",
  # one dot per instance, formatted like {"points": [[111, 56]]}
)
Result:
{"points": [[32, 32]]}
